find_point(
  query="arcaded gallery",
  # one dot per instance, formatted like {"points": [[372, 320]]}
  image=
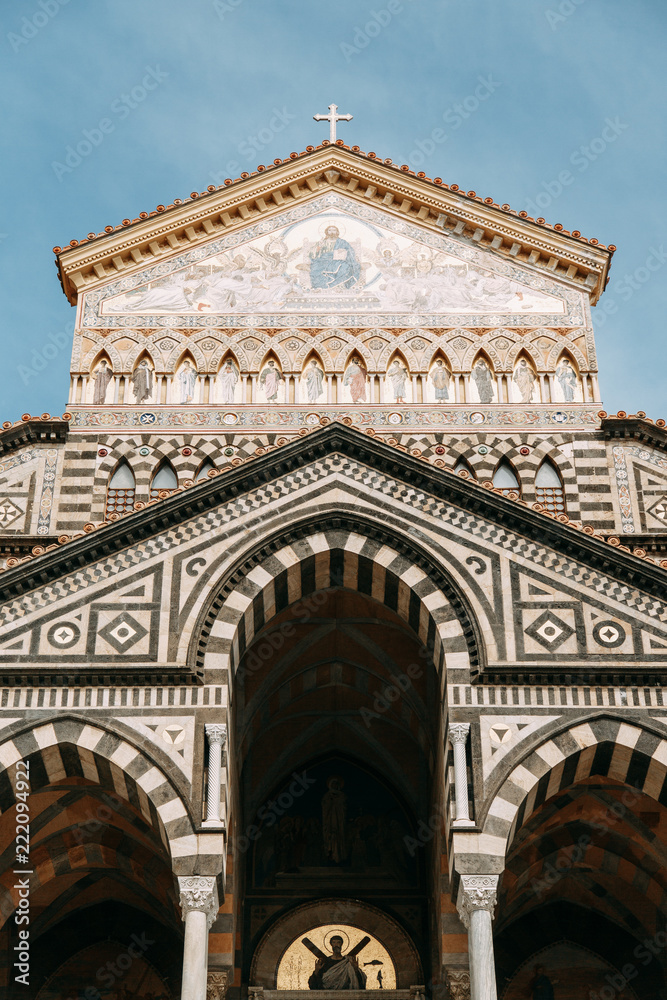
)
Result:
{"points": [[333, 624]]}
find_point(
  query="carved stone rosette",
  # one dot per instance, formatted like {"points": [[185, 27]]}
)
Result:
{"points": [[477, 892], [199, 892], [216, 985], [458, 983]]}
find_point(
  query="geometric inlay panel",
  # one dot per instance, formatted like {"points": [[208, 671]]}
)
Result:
{"points": [[549, 630], [123, 632]]}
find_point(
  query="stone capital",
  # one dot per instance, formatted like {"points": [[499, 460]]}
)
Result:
{"points": [[477, 892], [216, 985], [458, 983], [199, 892], [216, 732], [458, 732]]}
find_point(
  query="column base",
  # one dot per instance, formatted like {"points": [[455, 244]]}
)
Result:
{"points": [[464, 824], [213, 824]]}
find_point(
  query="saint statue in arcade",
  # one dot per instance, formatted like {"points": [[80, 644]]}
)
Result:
{"points": [[355, 377], [567, 377], [542, 987], [187, 381], [271, 378], [398, 376], [440, 380], [481, 373], [228, 377], [334, 832], [524, 379], [142, 381], [333, 262], [103, 376], [337, 971], [314, 381]]}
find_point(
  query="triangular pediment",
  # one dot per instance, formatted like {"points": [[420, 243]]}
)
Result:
{"points": [[367, 182], [333, 256], [100, 602]]}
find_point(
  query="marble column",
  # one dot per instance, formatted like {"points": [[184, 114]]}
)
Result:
{"points": [[476, 903], [458, 737], [199, 907], [216, 736]]}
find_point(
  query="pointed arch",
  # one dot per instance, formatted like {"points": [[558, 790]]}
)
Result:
{"points": [[204, 468], [506, 478], [271, 377], [312, 380], [525, 383], [143, 378], [463, 465], [355, 378], [227, 379], [397, 383], [164, 480], [121, 490], [439, 384], [101, 380], [549, 489]]}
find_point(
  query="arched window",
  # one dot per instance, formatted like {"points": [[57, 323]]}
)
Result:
{"points": [[164, 479], [506, 479], [463, 466], [120, 491], [549, 488], [204, 469]]}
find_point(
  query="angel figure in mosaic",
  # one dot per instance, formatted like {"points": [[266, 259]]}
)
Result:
{"points": [[483, 379], [524, 379], [103, 376]]}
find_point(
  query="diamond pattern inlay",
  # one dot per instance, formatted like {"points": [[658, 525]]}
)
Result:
{"points": [[549, 630], [123, 632]]}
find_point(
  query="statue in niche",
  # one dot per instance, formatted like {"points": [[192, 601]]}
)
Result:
{"points": [[440, 380], [481, 373], [271, 378], [567, 377], [398, 376], [187, 381], [524, 378], [542, 987], [355, 377], [334, 809], [228, 377], [103, 376], [337, 971], [314, 381], [142, 381], [333, 262]]}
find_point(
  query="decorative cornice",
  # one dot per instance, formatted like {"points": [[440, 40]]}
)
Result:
{"points": [[635, 426], [366, 178], [200, 893], [476, 892], [33, 430]]}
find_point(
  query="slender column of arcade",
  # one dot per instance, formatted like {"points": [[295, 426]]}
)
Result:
{"points": [[216, 736], [199, 907], [458, 737], [476, 903]]}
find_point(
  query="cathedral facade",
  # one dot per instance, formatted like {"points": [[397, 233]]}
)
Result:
{"points": [[333, 626]]}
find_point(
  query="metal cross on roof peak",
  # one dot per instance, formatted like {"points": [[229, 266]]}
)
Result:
{"points": [[332, 118]]}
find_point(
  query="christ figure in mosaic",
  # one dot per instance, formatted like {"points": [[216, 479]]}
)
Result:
{"points": [[567, 378], [337, 971], [228, 377], [524, 378], [271, 378], [333, 262], [314, 381], [103, 376], [398, 375], [142, 382], [481, 373], [440, 380], [355, 377]]}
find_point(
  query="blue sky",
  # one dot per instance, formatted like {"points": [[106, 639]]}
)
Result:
{"points": [[574, 88]]}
